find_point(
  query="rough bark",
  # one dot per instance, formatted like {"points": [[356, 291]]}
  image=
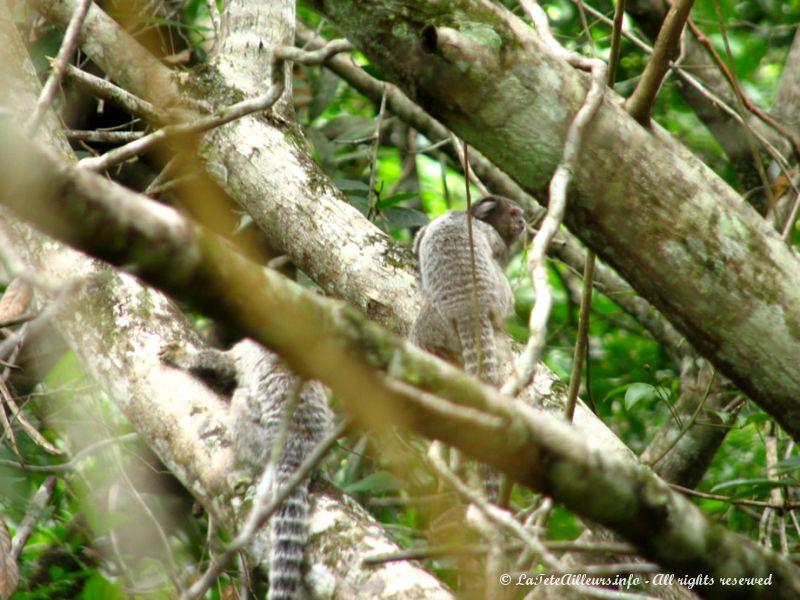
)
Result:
{"points": [[117, 327], [584, 491], [677, 233], [266, 166], [564, 246]]}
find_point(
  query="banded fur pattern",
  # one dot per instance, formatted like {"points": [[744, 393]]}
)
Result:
{"points": [[447, 283], [257, 408]]}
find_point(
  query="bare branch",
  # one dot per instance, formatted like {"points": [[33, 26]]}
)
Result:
{"points": [[38, 503], [120, 97], [59, 66], [564, 247], [558, 199], [213, 12], [324, 340], [263, 508], [641, 101], [226, 115], [104, 137]]}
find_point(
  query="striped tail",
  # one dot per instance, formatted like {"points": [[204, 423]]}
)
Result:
{"points": [[289, 535], [480, 358], [479, 355]]}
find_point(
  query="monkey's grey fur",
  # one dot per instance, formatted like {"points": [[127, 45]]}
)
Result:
{"points": [[262, 389], [446, 324]]}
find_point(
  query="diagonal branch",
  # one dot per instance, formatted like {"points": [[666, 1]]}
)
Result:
{"points": [[59, 66], [640, 103]]}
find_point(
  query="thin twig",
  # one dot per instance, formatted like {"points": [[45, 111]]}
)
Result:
{"points": [[507, 521], [703, 39], [75, 460], [372, 197], [104, 137], [65, 293], [739, 94], [581, 352], [26, 425], [162, 536], [162, 176], [5, 398], [691, 80], [586, 29], [692, 420], [495, 514], [213, 13], [37, 504], [616, 37], [226, 115], [735, 501], [582, 343], [788, 228], [569, 251], [476, 314], [776, 494], [480, 549], [558, 199], [99, 87], [59, 66], [468, 173]]}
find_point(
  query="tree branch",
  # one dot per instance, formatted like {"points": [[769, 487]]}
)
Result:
{"points": [[640, 104]]}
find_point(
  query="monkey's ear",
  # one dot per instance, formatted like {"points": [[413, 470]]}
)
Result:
{"points": [[484, 208]]}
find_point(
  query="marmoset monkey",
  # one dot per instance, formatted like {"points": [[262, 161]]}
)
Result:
{"points": [[262, 385], [446, 324]]}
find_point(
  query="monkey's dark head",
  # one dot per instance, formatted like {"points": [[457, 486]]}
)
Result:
{"points": [[502, 214]]}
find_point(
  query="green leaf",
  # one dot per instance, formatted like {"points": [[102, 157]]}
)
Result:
{"points": [[380, 481], [637, 392], [400, 217], [788, 464], [100, 588]]}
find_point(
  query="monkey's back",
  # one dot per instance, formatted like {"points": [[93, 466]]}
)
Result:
{"points": [[259, 402], [446, 279], [446, 268]]}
